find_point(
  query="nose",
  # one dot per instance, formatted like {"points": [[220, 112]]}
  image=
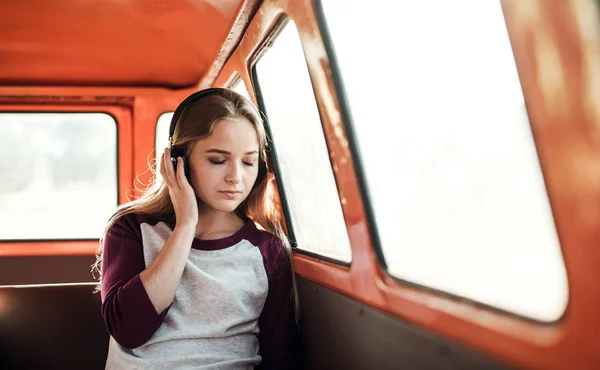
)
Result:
{"points": [[234, 174]]}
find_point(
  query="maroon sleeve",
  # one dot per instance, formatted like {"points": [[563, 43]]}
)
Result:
{"points": [[128, 313], [280, 342]]}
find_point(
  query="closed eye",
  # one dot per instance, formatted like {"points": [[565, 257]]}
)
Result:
{"points": [[249, 164], [214, 161]]}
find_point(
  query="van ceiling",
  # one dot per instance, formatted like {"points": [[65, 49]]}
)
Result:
{"points": [[168, 43]]}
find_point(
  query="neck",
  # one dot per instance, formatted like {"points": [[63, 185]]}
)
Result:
{"points": [[214, 224]]}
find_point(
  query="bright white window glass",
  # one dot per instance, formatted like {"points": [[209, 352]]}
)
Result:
{"points": [[162, 140], [315, 210], [58, 175], [451, 166], [240, 87]]}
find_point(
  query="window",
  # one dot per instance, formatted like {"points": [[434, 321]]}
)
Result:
{"points": [[448, 156], [161, 140], [59, 175], [306, 175]]}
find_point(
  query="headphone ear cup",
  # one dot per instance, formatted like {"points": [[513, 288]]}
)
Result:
{"points": [[177, 152]]}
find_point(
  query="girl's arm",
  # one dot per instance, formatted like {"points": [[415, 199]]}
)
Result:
{"points": [[128, 313], [162, 277], [135, 298], [280, 342], [132, 308]]}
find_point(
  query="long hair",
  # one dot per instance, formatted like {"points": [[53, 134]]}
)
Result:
{"points": [[196, 122]]}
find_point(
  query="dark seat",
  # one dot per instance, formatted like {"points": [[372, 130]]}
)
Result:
{"points": [[51, 327]]}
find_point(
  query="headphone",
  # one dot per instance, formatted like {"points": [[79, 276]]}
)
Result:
{"points": [[177, 151]]}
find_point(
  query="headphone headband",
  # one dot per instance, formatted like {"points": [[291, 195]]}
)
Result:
{"points": [[193, 97]]}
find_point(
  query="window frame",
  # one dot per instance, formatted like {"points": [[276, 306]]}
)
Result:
{"points": [[124, 175], [348, 122], [285, 205]]}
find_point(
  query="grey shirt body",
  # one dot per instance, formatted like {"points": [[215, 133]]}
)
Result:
{"points": [[214, 320]]}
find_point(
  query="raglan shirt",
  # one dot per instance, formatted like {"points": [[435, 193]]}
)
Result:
{"points": [[232, 308]]}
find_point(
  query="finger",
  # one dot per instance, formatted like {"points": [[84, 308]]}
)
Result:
{"points": [[170, 171], [163, 168], [182, 180]]}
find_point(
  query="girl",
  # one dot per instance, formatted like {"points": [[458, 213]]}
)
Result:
{"points": [[187, 279]]}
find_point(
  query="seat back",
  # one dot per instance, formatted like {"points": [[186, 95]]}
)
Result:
{"points": [[52, 327]]}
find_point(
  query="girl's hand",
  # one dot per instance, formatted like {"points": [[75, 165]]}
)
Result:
{"points": [[181, 192]]}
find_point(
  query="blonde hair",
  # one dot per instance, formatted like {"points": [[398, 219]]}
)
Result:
{"points": [[197, 122]]}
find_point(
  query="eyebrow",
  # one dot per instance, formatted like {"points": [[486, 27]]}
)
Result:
{"points": [[228, 153]]}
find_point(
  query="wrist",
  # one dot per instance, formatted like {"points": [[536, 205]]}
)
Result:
{"points": [[187, 227]]}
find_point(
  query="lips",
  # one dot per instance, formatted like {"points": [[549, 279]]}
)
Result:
{"points": [[231, 194]]}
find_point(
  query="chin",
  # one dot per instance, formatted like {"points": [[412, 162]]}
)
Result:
{"points": [[225, 206]]}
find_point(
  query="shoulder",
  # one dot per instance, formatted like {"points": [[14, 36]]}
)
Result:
{"points": [[124, 224], [128, 226], [275, 255], [131, 222], [123, 242]]}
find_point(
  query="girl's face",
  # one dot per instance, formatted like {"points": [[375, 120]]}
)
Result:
{"points": [[224, 166]]}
